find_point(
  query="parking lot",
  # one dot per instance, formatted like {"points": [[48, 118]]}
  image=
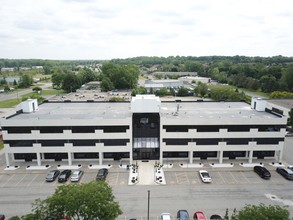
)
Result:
{"points": [[221, 177], [27, 178], [37, 179]]}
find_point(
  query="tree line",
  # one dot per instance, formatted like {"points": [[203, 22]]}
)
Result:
{"points": [[113, 76]]}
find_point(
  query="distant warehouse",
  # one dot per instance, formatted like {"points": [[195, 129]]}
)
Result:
{"points": [[143, 129]]}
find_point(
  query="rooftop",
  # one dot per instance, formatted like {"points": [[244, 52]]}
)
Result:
{"points": [[114, 110]]}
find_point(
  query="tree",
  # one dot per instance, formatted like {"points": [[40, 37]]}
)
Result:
{"points": [[202, 89], [87, 75], [106, 84], [290, 118], [268, 83], [85, 201], [183, 91], [37, 89], [25, 81], [287, 77], [70, 82], [262, 212]]}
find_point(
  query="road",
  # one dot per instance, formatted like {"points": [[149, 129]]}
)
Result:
{"points": [[6, 96]]}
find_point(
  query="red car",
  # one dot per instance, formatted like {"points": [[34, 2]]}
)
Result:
{"points": [[199, 216]]}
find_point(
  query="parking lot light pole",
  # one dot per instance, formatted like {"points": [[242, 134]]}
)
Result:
{"points": [[148, 218]]}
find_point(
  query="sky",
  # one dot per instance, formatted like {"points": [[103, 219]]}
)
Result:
{"points": [[109, 29]]}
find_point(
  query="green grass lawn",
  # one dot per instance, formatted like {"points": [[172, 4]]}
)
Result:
{"points": [[10, 103], [1, 145]]}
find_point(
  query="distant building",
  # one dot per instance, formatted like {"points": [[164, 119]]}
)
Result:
{"points": [[163, 83], [195, 79], [176, 73]]}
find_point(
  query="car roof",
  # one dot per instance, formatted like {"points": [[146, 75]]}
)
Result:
{"points": [[200, 215], [287, 170]]}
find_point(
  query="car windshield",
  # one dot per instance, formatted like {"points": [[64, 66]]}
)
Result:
{"points": [[50, 174], [206, 175], [75, 174]]}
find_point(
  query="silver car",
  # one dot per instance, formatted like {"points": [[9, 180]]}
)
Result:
{"points": [[76, 175]]}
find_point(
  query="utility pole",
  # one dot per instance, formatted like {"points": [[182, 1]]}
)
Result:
{"points": [[148, 218]]}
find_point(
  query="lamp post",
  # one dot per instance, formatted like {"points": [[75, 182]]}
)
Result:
{"points": [[148, 218]]}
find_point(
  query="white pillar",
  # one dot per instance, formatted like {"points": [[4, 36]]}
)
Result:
{"points": [[39, 159], [101, 158], [69, 158], [280, 156], [250, 156], [190, 156], [7, 159], [221, 157]]}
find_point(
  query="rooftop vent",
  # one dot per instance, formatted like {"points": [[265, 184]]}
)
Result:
{"points": [[30, 105]]}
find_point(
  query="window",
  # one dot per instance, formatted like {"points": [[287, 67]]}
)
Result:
{"points": [[18, 130], [115, 142], [52, 143], [20, 143], [170, 141]]}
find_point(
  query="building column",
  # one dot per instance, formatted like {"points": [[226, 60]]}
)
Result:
{"points": [[250, 156], [101, 158], [39, 159], [161, 157], [7, 159], [190, 157], [221, 156], [130, 157], [280, 156], [69, 158]]}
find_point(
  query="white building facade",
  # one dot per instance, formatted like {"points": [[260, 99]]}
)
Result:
{"points": [[143, 129]]}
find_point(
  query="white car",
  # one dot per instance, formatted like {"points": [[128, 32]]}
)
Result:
{"points": [[165, 216], [76, 175], [205, 176]]}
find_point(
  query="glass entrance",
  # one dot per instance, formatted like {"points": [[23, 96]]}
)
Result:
{"points": [[146, 136]]}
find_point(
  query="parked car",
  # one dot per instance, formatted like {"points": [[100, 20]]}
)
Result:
{"points": [[290, 167], [2, 217], [76, 175], [262, 172], [182, 215], [102, 174], [216, 217], [165, 216], [285, 172], [205, 176], [52, 175], [64, 175], [199, 216], [289, 134]]}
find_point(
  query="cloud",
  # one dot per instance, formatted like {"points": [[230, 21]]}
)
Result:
{"points": [[63, 29]]}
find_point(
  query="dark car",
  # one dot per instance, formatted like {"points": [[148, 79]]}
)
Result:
{"points": [[52, 175], [2, 217], [285, 172], [64, 175], [216, 217], [182, 215], [102, 174], [262, 172]]}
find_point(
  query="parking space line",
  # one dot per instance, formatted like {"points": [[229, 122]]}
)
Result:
{"points": [[180, 176], [247, 181], [7, 180], [20, 180], [32, 180], [233, 177], [221, 177]]}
